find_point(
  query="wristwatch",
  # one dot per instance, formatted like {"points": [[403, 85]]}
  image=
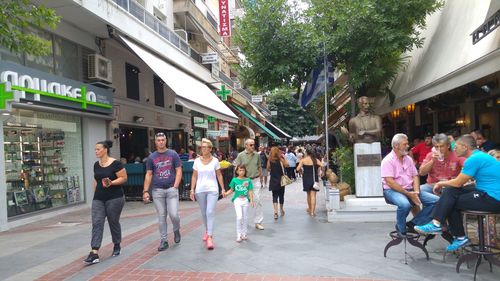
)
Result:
{"points": [[145, 191]]}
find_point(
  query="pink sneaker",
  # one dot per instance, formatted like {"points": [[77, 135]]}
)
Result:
{"points": [[210, 244], [205, 236]]}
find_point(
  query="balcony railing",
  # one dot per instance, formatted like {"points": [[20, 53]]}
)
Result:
{"points": [[226, 79], [136, 10]]}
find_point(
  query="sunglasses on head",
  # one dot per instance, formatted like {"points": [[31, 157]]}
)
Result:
{"points": [[160, 134]]}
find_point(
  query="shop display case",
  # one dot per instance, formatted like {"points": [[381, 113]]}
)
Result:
{"points": [[36, 174]]}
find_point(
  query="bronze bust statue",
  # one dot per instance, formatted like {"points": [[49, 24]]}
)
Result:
{"points": [[365, 127]]}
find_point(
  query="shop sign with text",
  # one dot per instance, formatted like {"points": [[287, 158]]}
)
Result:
{"points": [[214, 134], [44, 88], [224, 21], [200, 122]]}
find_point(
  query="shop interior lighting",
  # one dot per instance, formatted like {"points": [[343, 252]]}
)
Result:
{"points": [[395, 113], [460, 121], [410, 108]]}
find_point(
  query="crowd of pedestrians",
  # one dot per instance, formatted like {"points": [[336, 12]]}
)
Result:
{"points": [[255, 171], [435, 179]]}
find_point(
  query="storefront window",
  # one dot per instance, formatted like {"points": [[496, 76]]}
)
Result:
{"points": [[6, 54], [42, 63], [66, 58], [43, 161]]}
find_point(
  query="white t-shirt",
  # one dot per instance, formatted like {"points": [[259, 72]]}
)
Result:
{"points": [[207, 179]]}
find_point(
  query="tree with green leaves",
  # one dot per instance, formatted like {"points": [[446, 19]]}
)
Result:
{"points": [[291, 118], [15, 19], [368, 37], [364, 38], [278, 43]]}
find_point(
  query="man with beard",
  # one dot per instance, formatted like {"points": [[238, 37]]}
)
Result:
{"points": [[402, 186]]}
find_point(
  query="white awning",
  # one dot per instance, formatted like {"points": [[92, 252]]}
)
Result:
{"points": [[279, 130], [257, 110], [190, 92], [447, 59]]}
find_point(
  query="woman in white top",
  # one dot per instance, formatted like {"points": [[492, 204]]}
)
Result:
{"points": [[206, 173]]}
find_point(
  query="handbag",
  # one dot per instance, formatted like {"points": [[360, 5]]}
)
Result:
{"points": [[316, 184], [285, 180]]}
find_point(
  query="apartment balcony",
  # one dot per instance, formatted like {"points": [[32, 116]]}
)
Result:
{"points": [[138, 11], [131, 19], [197, 17]]}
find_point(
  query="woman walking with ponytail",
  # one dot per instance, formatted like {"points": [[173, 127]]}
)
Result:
{"points": [[109, 176]]}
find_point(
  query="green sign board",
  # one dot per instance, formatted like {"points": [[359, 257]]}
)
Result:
{"points": [[40, 87]]}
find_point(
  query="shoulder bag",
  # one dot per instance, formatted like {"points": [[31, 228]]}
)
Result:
{"points": [[316, 184], [285, 180]]}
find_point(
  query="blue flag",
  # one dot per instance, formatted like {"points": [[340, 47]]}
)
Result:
{"points": [[316, 86]]}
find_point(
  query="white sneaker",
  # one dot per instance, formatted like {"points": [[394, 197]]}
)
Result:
{"points": [[238, 239]]}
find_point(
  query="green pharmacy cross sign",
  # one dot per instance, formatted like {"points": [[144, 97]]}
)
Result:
{"points": [[6, 94], [211, 119], [223, 93]]}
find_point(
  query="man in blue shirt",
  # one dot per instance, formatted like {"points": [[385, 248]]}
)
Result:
{"points": [[163, 177], [485, 196]]}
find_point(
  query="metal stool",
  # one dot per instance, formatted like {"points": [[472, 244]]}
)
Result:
{"points": [[412, 238], [396, 239], [478, 251]]}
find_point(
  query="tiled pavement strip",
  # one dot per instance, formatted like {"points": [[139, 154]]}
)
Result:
{"points": [[296, 247]]}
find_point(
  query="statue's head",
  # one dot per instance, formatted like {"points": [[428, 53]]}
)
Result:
{"points": [[364, 104]]}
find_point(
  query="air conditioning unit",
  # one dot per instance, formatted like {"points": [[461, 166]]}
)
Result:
{"points": [[99, 68]]}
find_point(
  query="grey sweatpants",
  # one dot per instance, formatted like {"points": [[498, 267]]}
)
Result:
{"points": [[167, 203], [207, 202], [110, 209]]}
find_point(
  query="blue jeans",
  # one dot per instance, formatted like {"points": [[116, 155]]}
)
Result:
{"points": [[404, 205], [426, 188]]}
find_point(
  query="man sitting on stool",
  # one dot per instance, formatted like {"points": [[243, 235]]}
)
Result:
{"points": [[402, 186], [485, 169]]}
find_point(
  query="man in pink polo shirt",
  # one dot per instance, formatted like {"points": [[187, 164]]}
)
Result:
{"points": [[440, 164], [402, 186]]}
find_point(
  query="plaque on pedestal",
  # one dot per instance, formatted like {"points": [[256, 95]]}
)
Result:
{"points": [[367, 159]]}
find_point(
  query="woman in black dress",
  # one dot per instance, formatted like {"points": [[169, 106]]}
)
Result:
{"points": [[276, 163], [109, 175], [310, 165]]}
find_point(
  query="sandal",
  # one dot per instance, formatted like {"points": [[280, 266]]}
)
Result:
{"points": [[275, 216], [282, 212]]}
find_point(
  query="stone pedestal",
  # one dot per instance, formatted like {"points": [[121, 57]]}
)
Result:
{"points": [[367, 158]]}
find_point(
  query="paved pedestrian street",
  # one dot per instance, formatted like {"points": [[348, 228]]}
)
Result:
{"points": [[295, 247]]}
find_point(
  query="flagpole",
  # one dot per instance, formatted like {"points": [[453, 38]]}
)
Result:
{"points": [[326, 105]]}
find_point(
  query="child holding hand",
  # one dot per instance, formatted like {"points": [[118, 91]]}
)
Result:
{"points": [[242, 187]]}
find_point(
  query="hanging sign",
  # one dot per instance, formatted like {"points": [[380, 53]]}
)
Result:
{"points": [[224, 21], [257, 98], [223, 93], [209, 58]]}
